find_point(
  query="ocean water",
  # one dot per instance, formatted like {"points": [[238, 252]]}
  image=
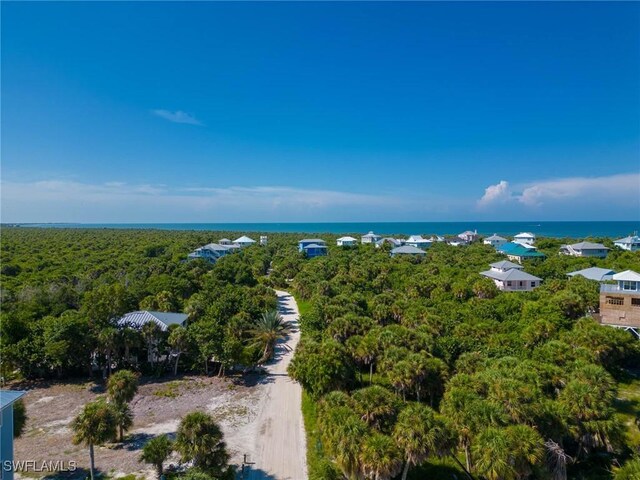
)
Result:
{"points": [[542, 229]]}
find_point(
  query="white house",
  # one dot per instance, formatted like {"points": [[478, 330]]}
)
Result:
{"points": [[418, 242], [512, 279], [525, 238], [436, 238], [263, 239], [585, 249], [631, 243], [346, 242], [469, 236], [407, 250], [594, 273], [370, 238], [224, 241], [504, 266], [495, 240], [394, 242], [244, 241]]}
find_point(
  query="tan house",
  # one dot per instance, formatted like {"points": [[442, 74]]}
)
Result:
{"points": [[620, 303]]}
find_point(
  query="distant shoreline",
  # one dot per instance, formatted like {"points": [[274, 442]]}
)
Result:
{"points": [[557, 229]]}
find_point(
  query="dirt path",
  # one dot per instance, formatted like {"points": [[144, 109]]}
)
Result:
{"points": [[279, 446]]}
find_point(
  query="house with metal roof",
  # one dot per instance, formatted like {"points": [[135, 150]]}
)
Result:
{"points": [[407, 250], [518, 252], [163, 319], [394, 242], [505, 265], [469, 236], [630, 243], [224, 241], [310, 241], [347, 242], [370, 238], [418, 242], [620, 303], [526, 238], [495, 240], [212, 252], [315, 250], [7, 400], [244, 241], [585, 249], [512, 279], [594, 273]]}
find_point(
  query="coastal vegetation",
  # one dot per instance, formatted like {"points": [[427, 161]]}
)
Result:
{"points": [[410, 367]]}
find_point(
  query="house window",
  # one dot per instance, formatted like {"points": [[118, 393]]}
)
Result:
{"points": [[635, 302], [615, 301], [508, 283], [521, 284], [533, 284], [627, 285]]}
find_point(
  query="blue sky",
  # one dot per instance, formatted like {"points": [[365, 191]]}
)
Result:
{"points": [[206, 112]]}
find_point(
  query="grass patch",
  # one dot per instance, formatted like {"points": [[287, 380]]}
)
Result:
{"points": [[304, 307], [314, 446], [628, 408], [169, 390]]}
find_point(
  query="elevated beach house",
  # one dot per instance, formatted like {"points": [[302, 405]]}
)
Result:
{"points": [[518, 252], [212, 252], [394, 242], [509, 277], [418, 242], [469, 236], [7, 399], [594, 273], [263, 239], [631, 243], [620, 303], [407, 250], [585, 249], [225, 241], [495, 241], [244, 241], [312, 247], [370, 238], [525, 238], [346, 242]]}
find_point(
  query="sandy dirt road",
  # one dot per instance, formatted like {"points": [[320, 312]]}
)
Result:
{"points": [[279, 446]]}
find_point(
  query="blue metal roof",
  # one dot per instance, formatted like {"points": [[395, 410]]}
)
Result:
{"points": [[7, 397]]}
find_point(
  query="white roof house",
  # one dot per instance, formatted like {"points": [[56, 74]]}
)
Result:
{"points": [[525, 238], [505, 265], [418, 242], [394, 242], [211, 252], [224, 241], [627, 276], [244, 241], [594, 273], [631, 243], [370, 238], [513, 280], [407, 250], [162, 319], [585, 249], [469, 236], [346, 241], [495, 240]]}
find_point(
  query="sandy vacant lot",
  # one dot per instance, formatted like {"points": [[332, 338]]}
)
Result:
{"points": [[259, 414]]}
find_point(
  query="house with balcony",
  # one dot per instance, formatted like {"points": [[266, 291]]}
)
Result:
{"points": [[594, 273], [212, 252], [370, 238], [510, 277], [585, 249], [7, 400], [630, 243], [394, 242], [347, 242], [418, 242], [620, 303], [312, 247], [525, 238], [519, 252], [495, 241]]}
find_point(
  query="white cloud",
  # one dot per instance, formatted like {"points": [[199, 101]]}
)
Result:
{"points": [[177, 117], [616, 190], [71, 201]]}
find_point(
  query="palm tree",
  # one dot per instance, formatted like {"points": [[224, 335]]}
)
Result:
{"points": [[121, 388], [420, 434], [156, 451], [151, 333], [380, 457], [342, 432], [375, 404], [266, 332], [108, 341], [95, 425], [178, 341], [199, 439]]}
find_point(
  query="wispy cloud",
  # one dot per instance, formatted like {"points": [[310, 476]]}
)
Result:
{"points": [[177, 117], [613, 189]]}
